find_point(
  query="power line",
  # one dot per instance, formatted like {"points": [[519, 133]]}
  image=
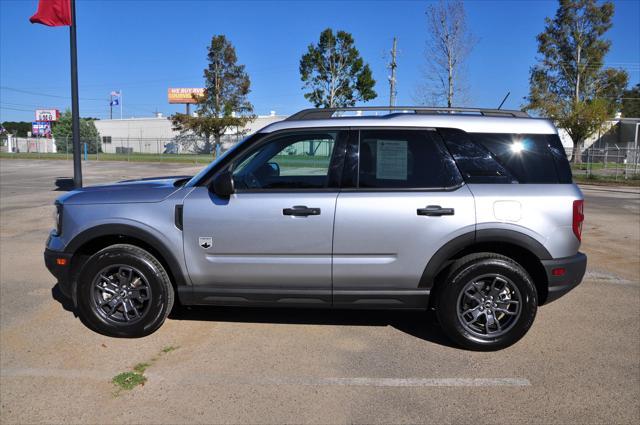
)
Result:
{"points": [[45, 94], [15, 109]]}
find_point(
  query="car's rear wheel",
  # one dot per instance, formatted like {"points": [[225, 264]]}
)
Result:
{"points": [[488, 302], [124, 291]]}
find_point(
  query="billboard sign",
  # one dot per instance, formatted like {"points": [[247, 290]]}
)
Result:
{"points": [[41, 128], [47, 114], [184, 95]]}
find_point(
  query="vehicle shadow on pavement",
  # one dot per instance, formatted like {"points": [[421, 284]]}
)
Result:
{"points": [[65, 302], [64, 184], [418, 324]]}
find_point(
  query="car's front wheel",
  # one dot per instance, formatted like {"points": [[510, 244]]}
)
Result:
{"points": [[124, 291], [488, 302]]}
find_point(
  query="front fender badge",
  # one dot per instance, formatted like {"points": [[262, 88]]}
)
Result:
{"points": [[205, 242]]}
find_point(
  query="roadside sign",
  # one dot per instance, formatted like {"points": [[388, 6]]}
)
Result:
{"points": [[41, 128], [185, 95], [47, 114]]}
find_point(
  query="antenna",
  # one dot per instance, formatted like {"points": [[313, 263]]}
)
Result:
{"points": [[503, 100]]}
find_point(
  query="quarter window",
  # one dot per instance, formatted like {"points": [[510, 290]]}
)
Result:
{"points": [[404, 159], [526, 156]]}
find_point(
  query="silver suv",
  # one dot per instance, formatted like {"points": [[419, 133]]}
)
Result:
{"points": [[470, 212]]}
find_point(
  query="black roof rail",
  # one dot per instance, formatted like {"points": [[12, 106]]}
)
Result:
{"points": [[325, 113]]}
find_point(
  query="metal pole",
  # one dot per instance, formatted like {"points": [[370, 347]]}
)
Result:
{"points": [[75, 108], [110, 106]]}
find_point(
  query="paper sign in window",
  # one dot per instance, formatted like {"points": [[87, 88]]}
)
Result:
{"points": [[391, 160]]}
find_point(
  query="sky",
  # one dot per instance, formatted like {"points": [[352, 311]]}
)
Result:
{"points": [[143, 47]]}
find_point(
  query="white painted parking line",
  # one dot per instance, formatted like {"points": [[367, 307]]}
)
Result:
{"points": [[605, 277], [405, 382], [352, 382], [276, 381]]}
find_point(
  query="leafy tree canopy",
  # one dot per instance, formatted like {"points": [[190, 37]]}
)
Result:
{"points": [[225, 104], [335, 73], [569, 84], [62, 132], [19, 128], [631, 102]]}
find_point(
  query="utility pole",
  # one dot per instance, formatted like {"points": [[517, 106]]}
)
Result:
{"points": [[392, 79], [75, 109]]}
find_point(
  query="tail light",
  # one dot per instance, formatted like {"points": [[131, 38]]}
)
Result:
{"points": [[578, 218]]}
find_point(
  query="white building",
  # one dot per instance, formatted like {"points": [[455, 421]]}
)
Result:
{"points": [[152, 134]]}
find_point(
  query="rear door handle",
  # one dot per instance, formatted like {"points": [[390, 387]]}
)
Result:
{"points": [[301, 210], [435, 210]]}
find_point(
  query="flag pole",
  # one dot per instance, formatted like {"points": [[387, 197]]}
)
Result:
{"points": [[75, 109]]}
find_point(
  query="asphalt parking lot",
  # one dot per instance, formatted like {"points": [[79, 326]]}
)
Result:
{"points": [[580, 363]]}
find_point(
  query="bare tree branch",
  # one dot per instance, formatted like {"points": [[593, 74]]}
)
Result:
{"points": [[449, 44]]}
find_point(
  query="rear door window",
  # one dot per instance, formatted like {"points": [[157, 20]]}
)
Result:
{"points": [[475, 162], [408, 159]]}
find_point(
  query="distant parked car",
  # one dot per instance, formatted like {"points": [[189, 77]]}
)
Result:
{"points": [[171, 148], [470, 212]]}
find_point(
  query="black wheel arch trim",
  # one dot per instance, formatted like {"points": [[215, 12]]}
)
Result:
{"points": [[441, 259], [117, 229]]}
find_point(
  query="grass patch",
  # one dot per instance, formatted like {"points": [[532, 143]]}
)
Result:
{"points": [[633, 181], [128, 380], [169, 348], [180, 159], [141, 367], [283, 161]]}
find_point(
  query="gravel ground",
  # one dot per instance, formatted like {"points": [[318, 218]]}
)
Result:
{"points": [[580, 363]]}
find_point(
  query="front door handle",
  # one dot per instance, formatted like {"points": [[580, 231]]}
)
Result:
{"points": [[435, 210], [301, 210]]}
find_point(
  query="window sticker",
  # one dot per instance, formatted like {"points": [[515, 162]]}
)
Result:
{"points": [[391, 160]]}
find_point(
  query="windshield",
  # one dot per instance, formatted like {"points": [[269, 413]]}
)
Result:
{"points": [[206, 169]]}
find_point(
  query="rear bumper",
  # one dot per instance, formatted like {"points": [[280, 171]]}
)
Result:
{"points": [[62, 273], [575, 268]]}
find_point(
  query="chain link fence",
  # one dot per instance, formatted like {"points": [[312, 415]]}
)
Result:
{"points": [[605, 162], [177, 149], [609, 162]]}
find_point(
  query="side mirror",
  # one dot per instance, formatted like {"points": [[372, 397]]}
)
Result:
{"points": [[222, 185], [275, 169]]}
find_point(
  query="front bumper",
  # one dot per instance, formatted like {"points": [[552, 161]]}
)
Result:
{"points": [[575, 268], [60, 272]]}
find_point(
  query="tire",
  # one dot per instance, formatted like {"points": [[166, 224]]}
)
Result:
{"points": [[488, 302], [123, 291]]}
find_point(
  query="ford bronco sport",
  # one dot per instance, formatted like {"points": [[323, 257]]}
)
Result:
{"points": [[470, 212]]}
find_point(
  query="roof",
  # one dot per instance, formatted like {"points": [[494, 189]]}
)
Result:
{"points": [[473, 120]]}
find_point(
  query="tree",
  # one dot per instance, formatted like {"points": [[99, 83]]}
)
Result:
{"points": [[19, 128], [631, 102], [569, 83], [449, 43], [335, 73], [64, 136], [225, 104]]}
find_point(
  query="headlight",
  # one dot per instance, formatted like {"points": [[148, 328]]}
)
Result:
{"points": [[57, 215]]}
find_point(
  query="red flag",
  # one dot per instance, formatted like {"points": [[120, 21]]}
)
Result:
{"points": [[54, 13]]}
